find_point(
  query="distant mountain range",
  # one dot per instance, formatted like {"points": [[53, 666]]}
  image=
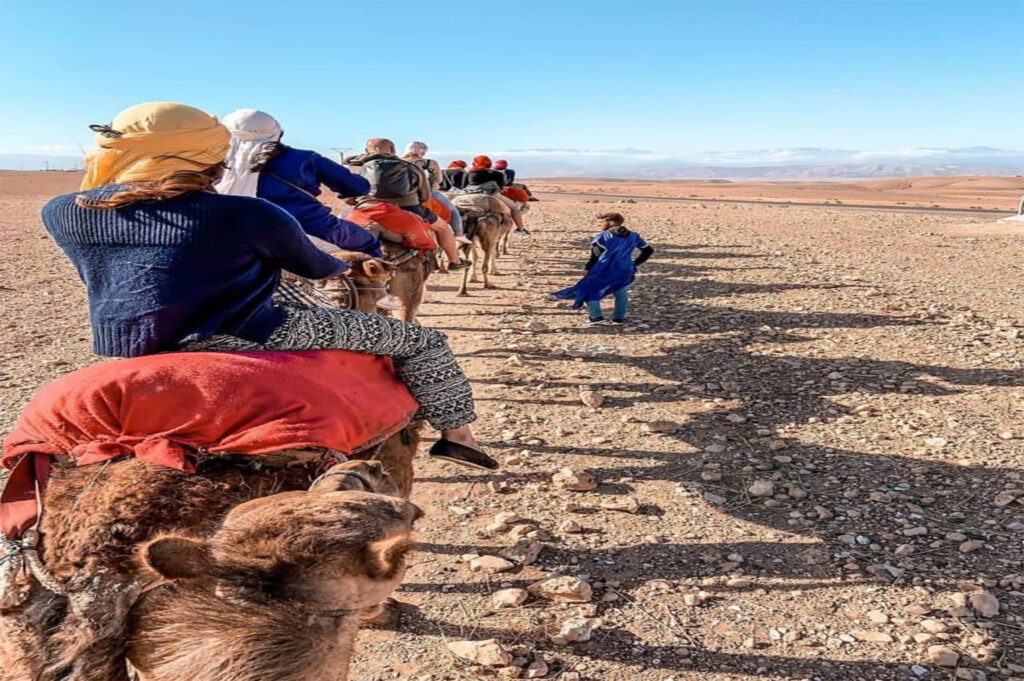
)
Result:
{"points": [[763, 164], [807, 164], [39, 162]]}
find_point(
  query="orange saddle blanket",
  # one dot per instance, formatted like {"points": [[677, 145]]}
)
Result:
{"points": [[414, 231], [169, 409]]}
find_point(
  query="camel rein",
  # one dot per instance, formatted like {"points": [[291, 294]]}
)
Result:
{"points": [[404, 258], [28, 551]]}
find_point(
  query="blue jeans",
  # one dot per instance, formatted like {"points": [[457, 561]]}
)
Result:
{"points": [[456, 216], [621, 305]]}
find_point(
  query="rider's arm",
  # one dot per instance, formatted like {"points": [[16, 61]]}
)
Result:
{"points": [[339, 178], [595, 253], [277, 237], [423, 183]]}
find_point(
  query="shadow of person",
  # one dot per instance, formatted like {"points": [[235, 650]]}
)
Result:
{"points": [[892, 514]]}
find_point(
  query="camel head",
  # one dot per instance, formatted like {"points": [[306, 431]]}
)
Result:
{"points": [[356, 476], [332, 551], [370, 275]]}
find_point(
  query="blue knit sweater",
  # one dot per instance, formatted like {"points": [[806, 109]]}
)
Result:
{"points": [[162, 273]]}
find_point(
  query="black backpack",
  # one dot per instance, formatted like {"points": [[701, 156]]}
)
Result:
{"points": [[390, 178]]}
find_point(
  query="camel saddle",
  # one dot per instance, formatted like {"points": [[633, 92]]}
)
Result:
{"points": [[393, 224], [479, 203], [173, 409]]}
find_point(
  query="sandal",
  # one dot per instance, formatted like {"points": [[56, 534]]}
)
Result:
{"points": [[462, 455]]}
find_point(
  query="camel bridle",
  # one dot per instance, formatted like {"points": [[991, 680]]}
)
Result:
{"points": [[368, 486]]}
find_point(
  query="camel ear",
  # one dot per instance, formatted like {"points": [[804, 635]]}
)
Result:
{"points": [[178, 557], [387, 555], [377, 268]]}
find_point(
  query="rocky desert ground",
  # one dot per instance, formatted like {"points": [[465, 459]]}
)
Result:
{"points": [[803, 458]]}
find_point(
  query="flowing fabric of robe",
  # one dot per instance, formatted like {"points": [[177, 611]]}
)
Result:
{"points": [[613, 270]]}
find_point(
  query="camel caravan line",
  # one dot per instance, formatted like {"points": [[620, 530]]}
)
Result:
{"points": [[235, 505]]}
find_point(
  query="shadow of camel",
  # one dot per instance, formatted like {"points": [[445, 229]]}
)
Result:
{"points": [[839, 512]]}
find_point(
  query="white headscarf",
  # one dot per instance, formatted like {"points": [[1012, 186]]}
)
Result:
{"points": [[250, 130]]}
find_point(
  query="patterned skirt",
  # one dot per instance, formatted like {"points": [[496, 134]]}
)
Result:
{"points": [[423, 360]]}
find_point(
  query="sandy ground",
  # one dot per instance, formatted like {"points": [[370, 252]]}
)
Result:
{"points": [[814, 423], [1002, 193]]}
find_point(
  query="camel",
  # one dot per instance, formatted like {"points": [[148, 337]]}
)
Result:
{"points": [[486, 230], [75, 627], [259, 600], [80, 631], [367, 282], [476, 204], [409, 277]]}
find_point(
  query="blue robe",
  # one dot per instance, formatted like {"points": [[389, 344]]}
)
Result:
{"points": [[613, 270]]}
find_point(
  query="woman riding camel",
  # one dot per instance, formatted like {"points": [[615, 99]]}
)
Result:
{"points": [[482, 179], [171, 265], [258, 164], [415, 153]]}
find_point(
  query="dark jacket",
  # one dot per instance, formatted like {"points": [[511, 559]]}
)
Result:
{"points": [[291, 179], [478, 177], [162, 273], [453, 178]]}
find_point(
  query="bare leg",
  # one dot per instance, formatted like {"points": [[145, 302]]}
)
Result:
{"points": [[517, 216], [463, 435], [446, 239]]}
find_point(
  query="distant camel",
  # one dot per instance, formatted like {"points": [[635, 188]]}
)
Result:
{"points": [[485, 230]]}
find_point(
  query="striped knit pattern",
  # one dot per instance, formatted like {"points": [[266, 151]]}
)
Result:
{"points": [[422, 357]]}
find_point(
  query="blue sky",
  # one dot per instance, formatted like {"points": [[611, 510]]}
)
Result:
{"points": [[676, 77]]}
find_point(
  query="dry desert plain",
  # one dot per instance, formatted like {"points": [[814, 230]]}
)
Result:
{"points": [[808, 456]]}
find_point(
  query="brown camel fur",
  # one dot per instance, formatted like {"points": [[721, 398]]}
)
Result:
{"points": [[486, 230], [370, 276], [268, 600], [409, 280], [95, 518]]}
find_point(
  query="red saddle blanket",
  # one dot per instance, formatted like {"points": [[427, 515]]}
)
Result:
{"points": [[515, 193], [414, 231], [169, 409]]}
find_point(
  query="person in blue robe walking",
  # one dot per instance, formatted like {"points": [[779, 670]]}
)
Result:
{"points": [[610, 271]]}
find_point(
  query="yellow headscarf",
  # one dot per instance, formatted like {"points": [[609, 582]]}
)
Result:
{"points": [[156, 139]]}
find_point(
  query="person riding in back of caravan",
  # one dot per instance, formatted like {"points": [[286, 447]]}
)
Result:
{"points": [[415, 153], [406, 185], [454, 176], [170, 265], [483, 179], [510, 175]]}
